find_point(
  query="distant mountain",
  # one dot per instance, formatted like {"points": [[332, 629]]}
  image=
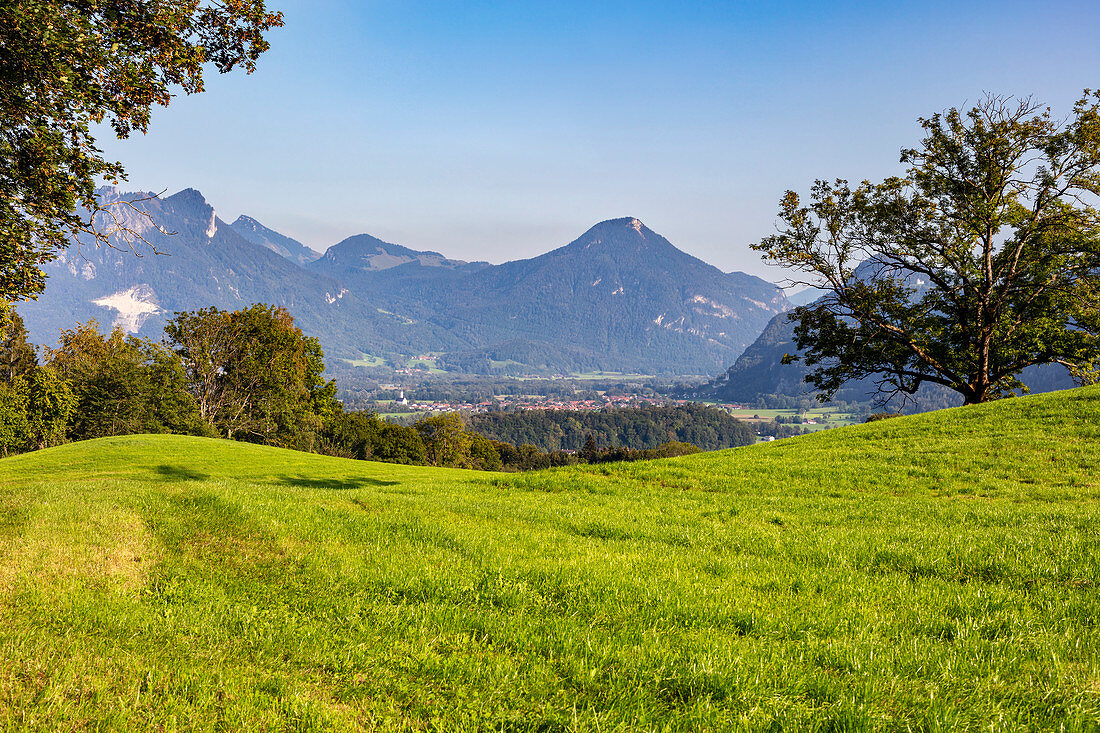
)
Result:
{"points": [[206, 262], [364, 253], [620, 298], [805, 296], [620, 292], [759, 370], [280, 244], [391, 272]]}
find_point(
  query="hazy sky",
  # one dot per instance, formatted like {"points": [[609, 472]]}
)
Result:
{"points": [[500, 130]]}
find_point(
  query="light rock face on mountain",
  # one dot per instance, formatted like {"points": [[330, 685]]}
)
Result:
{"points": [[619, 298]]}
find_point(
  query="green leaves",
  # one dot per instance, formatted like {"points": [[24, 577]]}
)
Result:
{"points": [[67, 64], [254, 374], [975, 264], [123, 385]]}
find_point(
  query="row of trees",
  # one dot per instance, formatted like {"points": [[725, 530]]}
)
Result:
{"points": [[248, 375], [445, 440], [638, 428]]}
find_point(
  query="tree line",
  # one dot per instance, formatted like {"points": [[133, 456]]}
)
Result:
{"points": [[249, 375], [638, 428]]}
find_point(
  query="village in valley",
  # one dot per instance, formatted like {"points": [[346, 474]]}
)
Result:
{"points": [[406, 408], [403, 403]]}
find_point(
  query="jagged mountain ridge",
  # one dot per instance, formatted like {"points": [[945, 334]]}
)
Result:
{"points": [[206, 262], [280, 244], [619, 298]]}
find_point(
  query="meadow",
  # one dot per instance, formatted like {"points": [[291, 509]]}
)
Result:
{"points": [[823, 417], [935, 572]]}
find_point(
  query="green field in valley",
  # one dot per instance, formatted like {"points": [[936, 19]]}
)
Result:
{"points": [[823, 417], [936, 572]]}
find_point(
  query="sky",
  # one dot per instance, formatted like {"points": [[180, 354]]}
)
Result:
{"points": [[502, 130]]}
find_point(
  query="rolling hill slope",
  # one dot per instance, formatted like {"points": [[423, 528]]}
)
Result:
{"points": [[929, 572]]}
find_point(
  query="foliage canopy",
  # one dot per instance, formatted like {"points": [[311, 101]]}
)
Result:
{"points": [[69, 64], [254, 374], [123, 384], [981, 260]]}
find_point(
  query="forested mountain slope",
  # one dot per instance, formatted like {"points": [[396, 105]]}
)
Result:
{"points": [[620, 292]]}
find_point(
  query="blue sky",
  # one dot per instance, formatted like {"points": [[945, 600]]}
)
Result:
{"points": [[500, 130]]}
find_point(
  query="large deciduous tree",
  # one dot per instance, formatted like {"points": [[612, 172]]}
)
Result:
{"points": [[69, 64], [254, 374], [981, 260], [123, 384]]}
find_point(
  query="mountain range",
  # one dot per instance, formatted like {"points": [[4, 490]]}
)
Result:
{"points": [[619, 298]]}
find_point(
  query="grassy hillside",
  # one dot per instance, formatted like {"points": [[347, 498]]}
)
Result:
{"points": [[934, 572]]}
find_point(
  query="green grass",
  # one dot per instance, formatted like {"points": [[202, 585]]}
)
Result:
{"points": [[837, 418], [623, 376], [366, 360], [937, 572], [426, 365]]}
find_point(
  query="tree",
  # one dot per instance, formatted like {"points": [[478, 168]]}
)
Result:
{"points": [[446, 442], [976, 263], [17, 357], [254, 374], [590, 452], [68, 64], [50, 407], [35, 402], [484, 453], [35, 409], [398, 444], [123, 384], [14, 428]]}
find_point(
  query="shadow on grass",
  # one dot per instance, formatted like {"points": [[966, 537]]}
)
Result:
{"points": [[333, 483], [179, 473]]}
